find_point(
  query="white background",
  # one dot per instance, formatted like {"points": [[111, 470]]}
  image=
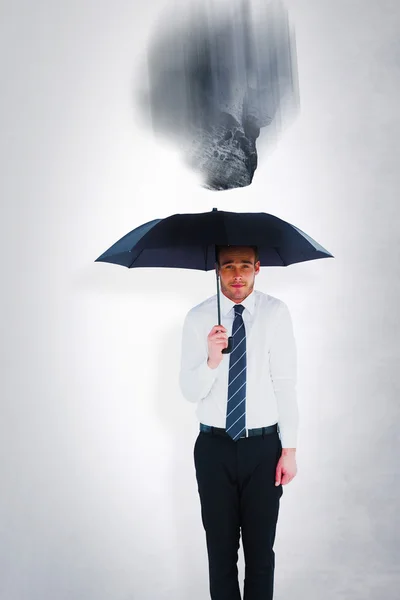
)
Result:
{"points": [[98, 493]]}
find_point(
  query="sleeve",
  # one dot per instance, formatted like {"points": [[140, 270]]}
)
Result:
{"points": [[283, 370], [195, 378]]}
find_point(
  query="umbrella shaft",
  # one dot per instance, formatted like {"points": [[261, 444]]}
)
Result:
{"points": [[218, 298]]}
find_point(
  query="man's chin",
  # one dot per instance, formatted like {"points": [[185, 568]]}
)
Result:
{"points": [[238, 292]]}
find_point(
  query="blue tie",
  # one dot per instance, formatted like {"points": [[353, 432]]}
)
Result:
{"points": [[236, 409]]}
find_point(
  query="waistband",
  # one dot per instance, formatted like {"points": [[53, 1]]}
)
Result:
{"points": [[248, 433]]}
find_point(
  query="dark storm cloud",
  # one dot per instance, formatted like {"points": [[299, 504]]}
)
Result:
{"points": [[218, 73]]}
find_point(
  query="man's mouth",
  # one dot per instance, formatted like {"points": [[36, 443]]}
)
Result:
{"points": [[237, 285]]}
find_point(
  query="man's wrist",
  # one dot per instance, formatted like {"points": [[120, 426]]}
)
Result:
{"points": [[288, 451], [212, 364]]}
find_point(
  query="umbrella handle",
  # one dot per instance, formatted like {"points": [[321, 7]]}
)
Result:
{"points": [[229, 348]]}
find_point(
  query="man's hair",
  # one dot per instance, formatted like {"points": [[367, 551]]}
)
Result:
{"points": [[219, 248]]}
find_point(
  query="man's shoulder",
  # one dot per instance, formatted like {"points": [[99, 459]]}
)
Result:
{"points": [[205, 307], [267, 301]]}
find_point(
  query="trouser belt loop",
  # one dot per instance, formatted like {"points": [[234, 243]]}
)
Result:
{"points": [[212, 430], [263, 432]]}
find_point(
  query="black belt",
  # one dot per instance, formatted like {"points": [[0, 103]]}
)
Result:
{"points": [[249, 433]]}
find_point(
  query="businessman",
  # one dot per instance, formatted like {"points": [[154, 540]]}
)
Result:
{"points": [[247, 408]]}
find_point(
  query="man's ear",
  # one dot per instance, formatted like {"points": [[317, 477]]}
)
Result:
{"points": [[257, 267]]}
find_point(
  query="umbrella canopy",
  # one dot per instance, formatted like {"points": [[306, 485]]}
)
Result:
{"points": [[188, 241]]}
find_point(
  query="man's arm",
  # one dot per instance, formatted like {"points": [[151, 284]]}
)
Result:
{"points": [[196, 377], [283, 369]]}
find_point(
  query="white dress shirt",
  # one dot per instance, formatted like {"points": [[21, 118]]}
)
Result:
{"points": [[271, 364]]}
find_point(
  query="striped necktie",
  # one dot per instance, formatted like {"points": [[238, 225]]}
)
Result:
{"points": [[236, 409]]}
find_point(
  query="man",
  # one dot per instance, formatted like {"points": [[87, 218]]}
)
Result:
{"points": [[247, 407]]}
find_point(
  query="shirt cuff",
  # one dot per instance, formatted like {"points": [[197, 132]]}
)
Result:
{"points": [[288, 437]]}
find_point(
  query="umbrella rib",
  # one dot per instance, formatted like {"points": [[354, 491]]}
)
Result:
{"points": [[280, 256], [135, 259]]}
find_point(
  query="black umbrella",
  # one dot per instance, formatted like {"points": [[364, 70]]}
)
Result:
{"points": [[188, 241]]}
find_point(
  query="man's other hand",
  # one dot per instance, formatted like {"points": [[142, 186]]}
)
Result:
{"points": [[286, 469]]}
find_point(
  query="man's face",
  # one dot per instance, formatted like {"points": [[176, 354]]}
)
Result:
{"points": [[237, 271]]}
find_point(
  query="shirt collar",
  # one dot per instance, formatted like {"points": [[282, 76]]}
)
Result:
{"points": [[227, 304]]}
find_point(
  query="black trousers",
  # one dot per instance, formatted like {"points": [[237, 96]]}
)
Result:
{"points": [[236, 483]]}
